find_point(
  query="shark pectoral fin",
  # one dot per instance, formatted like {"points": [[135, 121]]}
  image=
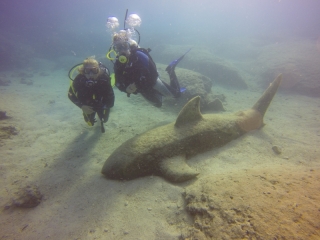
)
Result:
{"points": [[176, 169]]}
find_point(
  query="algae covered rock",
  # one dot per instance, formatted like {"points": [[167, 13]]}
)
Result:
{"points": [[203, 61], [195, 84]]}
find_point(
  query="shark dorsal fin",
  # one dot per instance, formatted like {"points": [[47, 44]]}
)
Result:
{"points": [[190, 112]]}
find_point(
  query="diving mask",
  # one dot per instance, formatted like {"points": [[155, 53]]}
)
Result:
{"points": [[91, 74], [93, 70], [122, 47]]}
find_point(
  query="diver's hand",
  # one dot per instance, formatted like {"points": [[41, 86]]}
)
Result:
{"points": [[87, 109], [131, 88]]}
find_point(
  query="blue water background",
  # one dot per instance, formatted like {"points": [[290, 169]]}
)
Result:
{"points": [[57, 28]]}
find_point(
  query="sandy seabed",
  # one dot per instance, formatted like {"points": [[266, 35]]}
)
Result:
{"points": [[244, 191]]}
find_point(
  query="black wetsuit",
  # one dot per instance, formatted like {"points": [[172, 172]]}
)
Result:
{"points": [[97, 94], [141, 70]]}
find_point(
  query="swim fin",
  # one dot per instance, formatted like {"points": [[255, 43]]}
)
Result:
{"points": [[183, 89], [174, 63]]}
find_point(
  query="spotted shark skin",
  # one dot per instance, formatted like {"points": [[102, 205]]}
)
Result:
{"points": [[163, 151]]}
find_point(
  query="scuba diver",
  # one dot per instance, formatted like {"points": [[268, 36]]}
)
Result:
{"points": [[91, 91], [135, 71]]}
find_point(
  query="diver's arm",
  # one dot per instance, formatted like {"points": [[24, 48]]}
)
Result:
{"points": [[73, 98], [120, 78], [73, 91], [120, 85], [108, 97]]}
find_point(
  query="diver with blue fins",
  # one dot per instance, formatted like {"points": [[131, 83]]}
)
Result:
{"points": [[134, 69]]}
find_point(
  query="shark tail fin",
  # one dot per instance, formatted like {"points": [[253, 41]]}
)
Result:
{"points": [[264, 101]]}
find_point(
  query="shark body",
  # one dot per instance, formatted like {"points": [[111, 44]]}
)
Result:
{"points": [[163, 150]]}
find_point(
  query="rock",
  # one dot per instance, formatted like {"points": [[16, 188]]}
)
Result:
{"points": [[201, 60], [276, 149], [251, 204], [4, 82], [27, 197], [221, 72], [3, 115], [7, 131], [195, 83], [215, 105], [221, 97], [297, 61]]}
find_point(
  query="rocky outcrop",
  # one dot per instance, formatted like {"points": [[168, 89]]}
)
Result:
{"points": [[298, 61], [201, 60], [253, 204], [195, 84]]}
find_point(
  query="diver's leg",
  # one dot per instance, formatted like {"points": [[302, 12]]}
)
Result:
{"points": [[153, 96], [163, 88], [174, 63], [104, 114], [174, 83], [172, 90], [89, 118]]}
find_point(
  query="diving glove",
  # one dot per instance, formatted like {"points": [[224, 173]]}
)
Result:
{"points": [[87, 109]]}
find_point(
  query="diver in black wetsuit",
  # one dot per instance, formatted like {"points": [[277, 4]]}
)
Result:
{"points": [[91, 91], [135, 72]]}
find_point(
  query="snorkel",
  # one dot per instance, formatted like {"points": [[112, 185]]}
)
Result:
{"points": [[133, 20], [125, 19]]}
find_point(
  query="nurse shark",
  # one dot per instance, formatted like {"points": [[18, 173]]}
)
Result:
{"points": [[163, 151]]}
